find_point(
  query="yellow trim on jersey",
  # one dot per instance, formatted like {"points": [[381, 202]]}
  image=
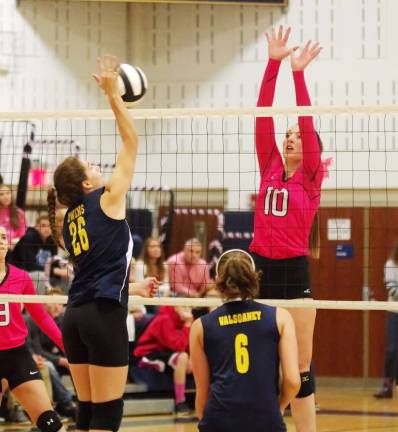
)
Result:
{"points": [[239, 318]]}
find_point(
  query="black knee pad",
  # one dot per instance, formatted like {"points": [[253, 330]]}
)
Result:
{"points": [[49, 422], [307, 384], [107, 415], [83, 416]]}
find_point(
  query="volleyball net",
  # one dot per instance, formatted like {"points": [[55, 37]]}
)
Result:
{"points": [[197, 176]]}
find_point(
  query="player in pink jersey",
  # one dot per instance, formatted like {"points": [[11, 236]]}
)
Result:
{"points": [[286, 206], [16, 363]]}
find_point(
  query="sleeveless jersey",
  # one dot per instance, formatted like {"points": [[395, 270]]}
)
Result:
{"points": [[241, 344], [101, 248]]}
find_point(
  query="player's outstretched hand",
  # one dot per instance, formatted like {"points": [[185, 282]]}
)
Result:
{"points": [[277, 41], [300, 61], [109, 67]]}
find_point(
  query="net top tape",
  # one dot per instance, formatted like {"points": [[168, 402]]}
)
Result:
{"points": [[206, 302], [200, 112]]}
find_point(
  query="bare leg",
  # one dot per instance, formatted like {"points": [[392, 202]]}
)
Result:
{"points": [[303, 409], [33, 397]]}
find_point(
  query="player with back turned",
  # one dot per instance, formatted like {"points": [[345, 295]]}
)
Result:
{"points": [[236, 352]]}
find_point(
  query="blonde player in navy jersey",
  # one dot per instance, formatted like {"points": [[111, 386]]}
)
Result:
{"points": [[285, 222], [236, 352], [99, 241]]}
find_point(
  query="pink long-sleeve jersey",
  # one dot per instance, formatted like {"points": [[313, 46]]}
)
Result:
{"points": [[285, 210], [13, 331]]}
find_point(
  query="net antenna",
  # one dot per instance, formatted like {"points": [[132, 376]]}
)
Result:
{"points": [[25, 167]]}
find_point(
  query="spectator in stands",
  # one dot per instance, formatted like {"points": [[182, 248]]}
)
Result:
{"points": [[41, 343], [164, 347], [391, 351], [211, 291], [152, 263], [11, 217], [188, 272], [34, 249], [59, 272]]}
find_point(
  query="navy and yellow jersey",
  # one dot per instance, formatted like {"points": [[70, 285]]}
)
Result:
{"points": [[101, 248], [241, 341]]}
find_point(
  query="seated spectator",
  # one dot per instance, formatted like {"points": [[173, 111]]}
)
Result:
{"points": [[164, 347], [188, 272], [41, 344], [152, 263], [33, 251], [211, 291], [11, 217], [59, 272], [35, 247]]}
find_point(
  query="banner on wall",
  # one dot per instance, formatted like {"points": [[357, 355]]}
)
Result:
{"points": [[339, 229]]}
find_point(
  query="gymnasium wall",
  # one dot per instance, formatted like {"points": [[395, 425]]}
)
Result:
{"points": [[206, 56]]}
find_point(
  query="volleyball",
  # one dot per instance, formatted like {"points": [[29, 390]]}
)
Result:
{"points": [[132, 83]]}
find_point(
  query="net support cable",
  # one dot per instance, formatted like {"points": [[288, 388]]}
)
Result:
{"points": [[207, 302]]}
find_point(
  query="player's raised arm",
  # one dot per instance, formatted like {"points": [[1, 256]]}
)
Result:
{"points": [[113, 200], [265, 131], [311, 148]]}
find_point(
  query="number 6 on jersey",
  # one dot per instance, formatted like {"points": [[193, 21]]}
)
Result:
{"points": [[241, 353]]}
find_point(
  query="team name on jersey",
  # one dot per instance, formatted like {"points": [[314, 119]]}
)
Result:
{"points": [[75, 213], [239, 318]]}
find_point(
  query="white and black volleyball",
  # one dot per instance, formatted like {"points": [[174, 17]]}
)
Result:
{"points": [[132, 83]]}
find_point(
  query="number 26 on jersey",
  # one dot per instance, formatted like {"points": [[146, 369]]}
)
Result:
{"points": [[79, 235]]}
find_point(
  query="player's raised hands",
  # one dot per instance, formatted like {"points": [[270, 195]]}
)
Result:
{"points": [[304, 58], [277, 41]]}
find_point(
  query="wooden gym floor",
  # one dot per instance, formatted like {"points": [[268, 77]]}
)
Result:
{"points": [[343, 408]]}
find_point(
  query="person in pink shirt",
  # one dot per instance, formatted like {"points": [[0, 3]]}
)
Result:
{"points": [[188, 272], [285, 222], [16, 363], [11, 217]]}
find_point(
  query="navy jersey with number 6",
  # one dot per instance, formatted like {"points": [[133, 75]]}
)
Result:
{"points": [[241, 344], [101, 248]]}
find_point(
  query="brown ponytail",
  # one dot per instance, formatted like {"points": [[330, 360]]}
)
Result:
{"points": [[236, 277], [315, 236], [52, 204]]}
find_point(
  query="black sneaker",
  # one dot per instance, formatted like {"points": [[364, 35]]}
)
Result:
{"points": [[183, 411], [67, 410], [384, 393], [17, 415]]}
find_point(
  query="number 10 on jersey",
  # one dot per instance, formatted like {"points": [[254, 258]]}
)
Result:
{"points": [[275, 202]]}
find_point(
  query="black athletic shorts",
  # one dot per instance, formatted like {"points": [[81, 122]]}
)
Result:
{"points": [[17, 366], [168, 358], [96, 333], [284, 278]]}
